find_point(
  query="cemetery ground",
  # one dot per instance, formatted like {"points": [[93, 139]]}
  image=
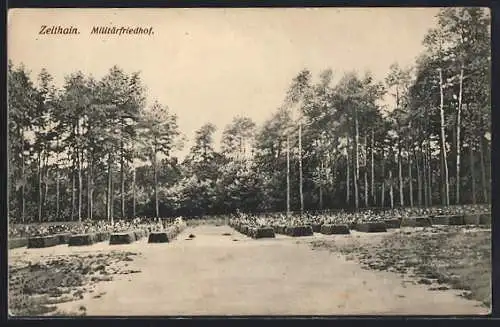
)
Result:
{"points": [[431, 271]]}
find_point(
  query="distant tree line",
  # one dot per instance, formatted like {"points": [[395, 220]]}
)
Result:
{"points": [[74, 152]]}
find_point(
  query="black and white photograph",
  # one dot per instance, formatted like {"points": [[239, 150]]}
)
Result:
{"points": [[249, 161]]}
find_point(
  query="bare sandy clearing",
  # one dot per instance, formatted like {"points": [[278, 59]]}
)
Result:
{"points": [[213, 274]]}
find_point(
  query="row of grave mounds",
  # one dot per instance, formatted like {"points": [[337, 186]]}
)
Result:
{"points": [[483, 219], [58, 239], [166, 236], [331, 229], [255, 232], [91, 238], [306, 229]]}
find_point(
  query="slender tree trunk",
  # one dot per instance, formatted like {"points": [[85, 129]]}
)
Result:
{"points": [[73, 179], [427, 162], [155, 176], [301, 194], [80, 186], [112, 199], [382, 200], [348, 175], [73, 195], [90, 188], [419, 178], [356, 158], [108, 193], [472, 172], [483, 170], [425, 179], [22, 177], [366, 174], [372, 175], [410, 176], [46, 183], [321, 185], [429, 172], [133, 192], [367, 204], [23, 202], [443, 140], [58, 192], [122, 180], [391, 189], [441, 169], [57, 181], [40, 195], [400, 175], [287, 176], [459, 114]]}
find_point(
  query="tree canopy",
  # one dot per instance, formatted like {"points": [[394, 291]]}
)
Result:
{"points": [[335, 141]]}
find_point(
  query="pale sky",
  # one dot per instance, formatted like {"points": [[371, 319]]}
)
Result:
{"points": [[209, 65]]}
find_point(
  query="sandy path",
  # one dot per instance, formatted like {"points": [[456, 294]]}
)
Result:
{"points": [[214, 275]]}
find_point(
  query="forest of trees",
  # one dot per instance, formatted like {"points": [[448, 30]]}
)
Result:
{"points": [[73, 152]]}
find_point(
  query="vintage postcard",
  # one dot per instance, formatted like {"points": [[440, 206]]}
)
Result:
{"points": [[279, 161]]}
